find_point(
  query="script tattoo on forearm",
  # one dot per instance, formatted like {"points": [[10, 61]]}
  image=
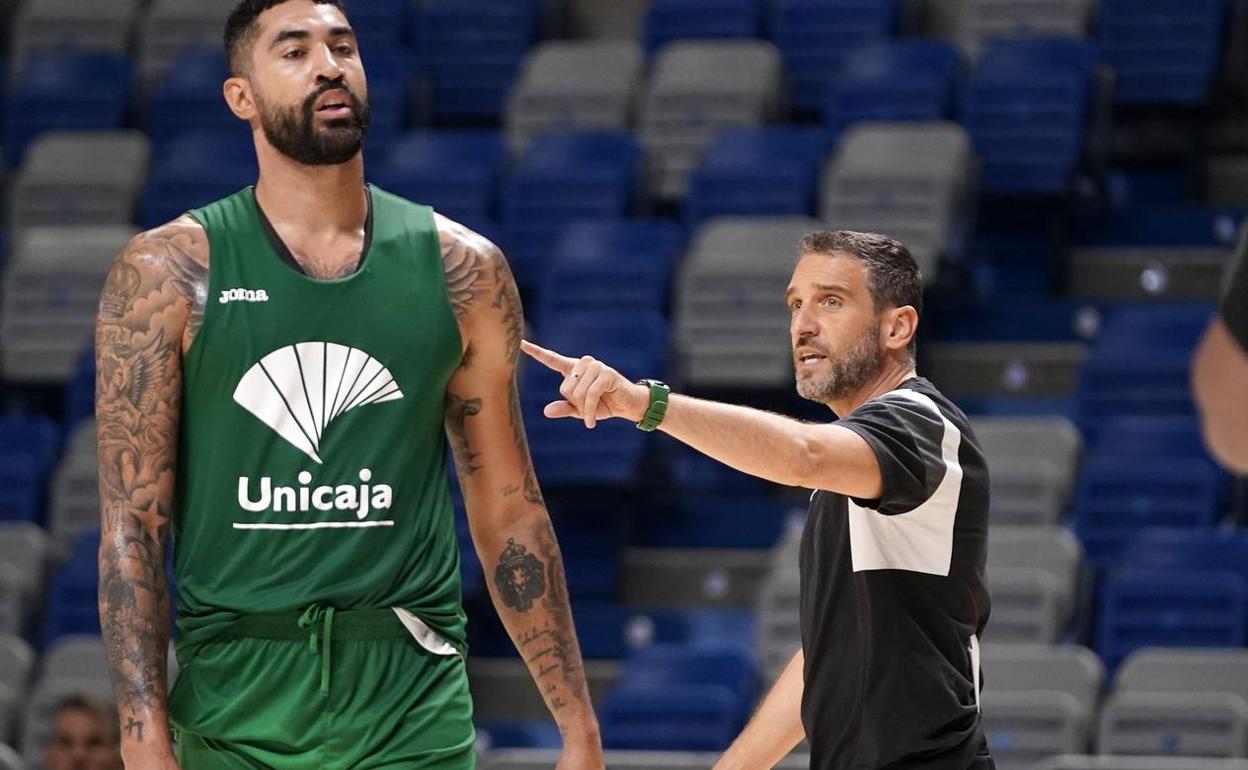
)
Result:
{"points": [[551, 648], [153, 299]]}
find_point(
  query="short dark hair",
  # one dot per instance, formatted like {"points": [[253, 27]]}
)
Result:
{"points": [[893, 277], [96, 707], [241, 30]]}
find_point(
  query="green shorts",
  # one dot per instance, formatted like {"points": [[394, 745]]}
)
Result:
{"points": [[347, 690]]}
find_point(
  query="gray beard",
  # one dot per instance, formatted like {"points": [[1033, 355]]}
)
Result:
{"points": [[849, 373]]}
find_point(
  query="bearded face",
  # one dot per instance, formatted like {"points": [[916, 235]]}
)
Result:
{"points": [[326, 129]]}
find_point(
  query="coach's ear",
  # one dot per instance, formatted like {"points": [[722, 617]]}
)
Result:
{"points": [[898, 326], [239, 97]]}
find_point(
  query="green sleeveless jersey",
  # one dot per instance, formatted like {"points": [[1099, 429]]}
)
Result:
{"points": [[312, 465]]}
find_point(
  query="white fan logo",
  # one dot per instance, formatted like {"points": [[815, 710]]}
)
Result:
{"points": [[300, 389]]}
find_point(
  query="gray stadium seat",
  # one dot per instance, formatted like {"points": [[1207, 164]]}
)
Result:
{"points": [[1033, 575], [512, 694], [911, 181], [980, 21], [544, 759], [698, 88], [703, 577], [10, 759], [779, 624], [574, 86], [731, 325], [51, 295], [17, 660], [75, 503], [1039, 700], [80, 178], [172, 26], [23, 558], [79, 657], [1011, 445], [1084, 762], [1190, 702], [59, 25], [1147, 272], [1006, 368]]}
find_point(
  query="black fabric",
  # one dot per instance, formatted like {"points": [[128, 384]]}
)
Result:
{"points": [[1235, 297], [283, 251], [888, 677]]}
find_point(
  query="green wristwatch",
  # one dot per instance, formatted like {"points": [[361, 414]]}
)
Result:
{"points": [[659, 391]]}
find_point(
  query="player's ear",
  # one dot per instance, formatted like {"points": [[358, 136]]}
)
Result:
{"points": [[240, 98], [900, 326]]}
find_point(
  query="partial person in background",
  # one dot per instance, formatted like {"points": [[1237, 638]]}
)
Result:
{"points": [[1220, 370], [893, 598], [85, 736]]}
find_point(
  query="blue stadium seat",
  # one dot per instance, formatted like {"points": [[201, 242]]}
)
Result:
{"points": [[1122, 383], [610, 265], [672, 717], [28, 450], [691, 697], [379, 24], [1117, 497], [815, 36], [1188, 550], [720, 663], [1021, 319], [668, 20], [388, 70], [71, 91], [456, 172], [73, 600], [189, 98], [565, 178], [1155, 326], [1152, 225], [756, 172], [719, 520], [1171, 609], [1164, 51], [614, 631], [592, 563], [1025, 108], [494, 734], [197, 169], [471, 51], [564, 451], [896, 80], [1148, 436], [80, 391]]}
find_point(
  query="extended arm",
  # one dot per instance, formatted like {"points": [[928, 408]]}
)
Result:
{"points": [[776, 727], [147, 307], [759, 443], [1219, 374], [510, 525]]}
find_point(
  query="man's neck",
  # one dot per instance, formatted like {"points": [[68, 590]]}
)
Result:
{"points": [[894, 372], [317, 200]]}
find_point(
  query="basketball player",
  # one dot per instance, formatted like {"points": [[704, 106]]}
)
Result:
{"points": [[279, 373], [1221, 369], [892, 560]]}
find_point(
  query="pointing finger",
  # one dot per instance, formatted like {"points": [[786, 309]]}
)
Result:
{"points": [[548, 358]]}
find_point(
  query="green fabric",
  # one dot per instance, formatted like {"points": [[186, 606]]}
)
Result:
{"points": [[259, 702], [312, 466]]}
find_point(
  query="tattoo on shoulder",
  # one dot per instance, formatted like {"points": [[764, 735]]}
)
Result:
{"points": [[464, 260]]}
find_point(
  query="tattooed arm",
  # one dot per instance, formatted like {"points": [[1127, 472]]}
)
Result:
{"points": [[510, 525], [151, 305]]}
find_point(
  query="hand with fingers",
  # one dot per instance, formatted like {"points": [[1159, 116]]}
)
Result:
{"points": [[591, 390]]}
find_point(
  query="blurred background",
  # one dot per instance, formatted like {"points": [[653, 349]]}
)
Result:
{"points": [[1070, 174]]}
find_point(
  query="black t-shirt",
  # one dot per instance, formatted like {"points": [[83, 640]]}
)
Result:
{"points": [[1235, 296], [893, 598]]}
